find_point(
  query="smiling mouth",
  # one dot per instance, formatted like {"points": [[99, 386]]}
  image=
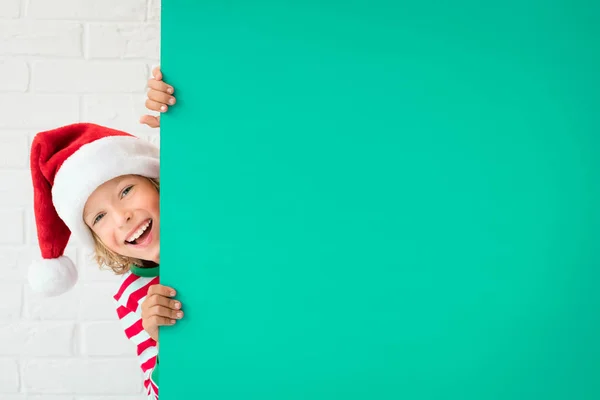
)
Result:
{"points": [[143, 236]]}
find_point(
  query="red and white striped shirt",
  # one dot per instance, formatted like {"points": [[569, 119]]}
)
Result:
{"points": [[132, 292]]}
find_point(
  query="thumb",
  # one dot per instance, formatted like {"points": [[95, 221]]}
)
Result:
{"points": [[150, 120]]}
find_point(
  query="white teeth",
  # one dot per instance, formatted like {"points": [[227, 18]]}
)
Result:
{"points": [[139, 232]]}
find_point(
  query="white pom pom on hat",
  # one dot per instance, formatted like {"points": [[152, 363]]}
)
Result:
{"points": [[53, 276], [67, 165]]}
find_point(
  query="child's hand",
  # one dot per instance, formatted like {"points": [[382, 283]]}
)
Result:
{"points": [[159, 98], [158, 309]]}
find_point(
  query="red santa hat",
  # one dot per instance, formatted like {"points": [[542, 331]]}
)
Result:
{"points": [[67, 165]]}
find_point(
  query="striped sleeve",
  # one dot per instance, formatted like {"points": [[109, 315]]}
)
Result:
{"points": [[132, 292]]}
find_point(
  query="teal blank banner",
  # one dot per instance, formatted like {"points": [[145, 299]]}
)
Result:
{"points": [[382, 200]]}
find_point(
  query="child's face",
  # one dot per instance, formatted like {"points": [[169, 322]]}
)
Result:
{"points": [[124, 214]]}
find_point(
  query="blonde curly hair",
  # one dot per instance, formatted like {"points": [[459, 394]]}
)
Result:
{"points": [[108, 259]]}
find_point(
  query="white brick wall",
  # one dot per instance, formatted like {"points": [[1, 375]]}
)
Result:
{"points": [[65, 61]]}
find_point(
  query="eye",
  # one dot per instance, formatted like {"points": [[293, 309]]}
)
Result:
{"points": [[126, 191], [97, 219]]}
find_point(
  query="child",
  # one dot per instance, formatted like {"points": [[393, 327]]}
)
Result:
{"points": [[102, 186]]}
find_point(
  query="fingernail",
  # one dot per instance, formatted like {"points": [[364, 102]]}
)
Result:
{"points": [[172, 293], [179, 314], [171, 101], [172, 321], [177, 305], [170, 90], [163, 108]]}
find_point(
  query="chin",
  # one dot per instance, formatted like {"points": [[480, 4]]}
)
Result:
{"points": [[155, 257]]}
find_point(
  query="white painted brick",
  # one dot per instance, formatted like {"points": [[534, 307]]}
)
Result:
{"points": [[15, 188], [43, 111], [89, 271], [124, 41], [11, 230], [14, 149], [41, 38], [37, 397], [138, 397], [14, 262], [82, 376], [113, 10], [50, 84], [88, 76], [37, 339], [17, 72], [119, 111], [105, 338], [154, 10], [12, 301], [60, 308], [97, 303], [10, 9], [9, 375]]}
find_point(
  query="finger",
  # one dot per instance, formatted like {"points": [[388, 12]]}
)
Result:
{"points": [[161, 321], [156, 106], [164, 312], [156, 73], [160, 86], [161, 290], [150, 120], [158, 300], [161, 97]]}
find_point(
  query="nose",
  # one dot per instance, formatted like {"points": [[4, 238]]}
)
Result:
{"points": [[122, 217]]}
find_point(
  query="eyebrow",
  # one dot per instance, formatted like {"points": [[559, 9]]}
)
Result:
{"points": [[121, 179], [85, 216]]}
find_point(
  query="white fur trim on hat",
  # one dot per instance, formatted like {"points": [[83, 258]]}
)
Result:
{"points": [[92, 165], [52, 277]]}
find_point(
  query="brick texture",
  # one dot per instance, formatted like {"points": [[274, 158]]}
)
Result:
{"points": [[41, 38], [65, 61], [10, 9], [91, 10]]}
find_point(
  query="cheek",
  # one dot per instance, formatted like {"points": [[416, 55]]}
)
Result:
{"points": [[154, 207], [108, 238]]}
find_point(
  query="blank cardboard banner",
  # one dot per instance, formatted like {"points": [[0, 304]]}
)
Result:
{"points": [[381, 200]]}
